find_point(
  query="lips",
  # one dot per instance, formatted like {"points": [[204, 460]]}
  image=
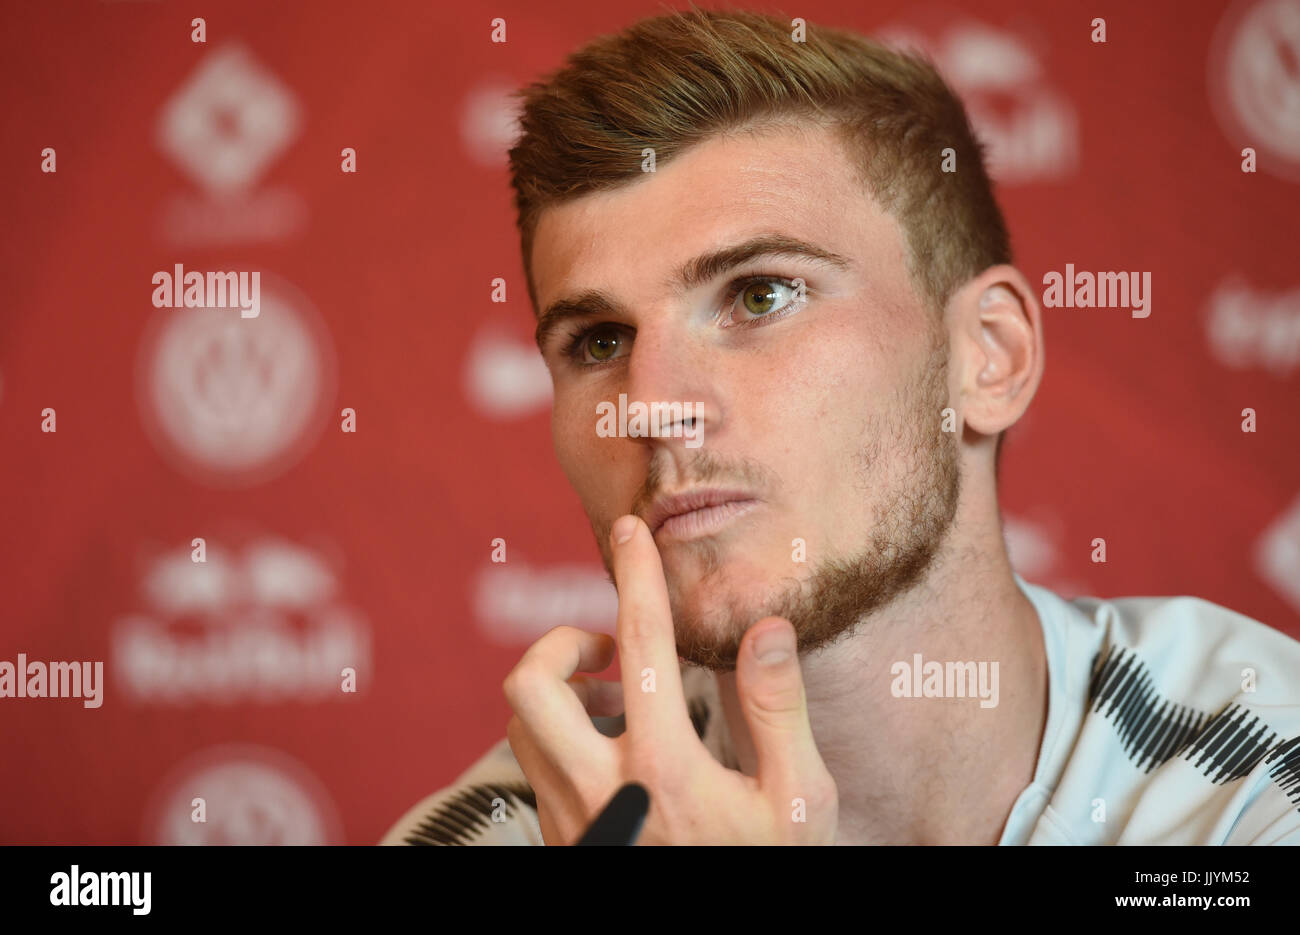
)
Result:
{"points": [[704, 507]]}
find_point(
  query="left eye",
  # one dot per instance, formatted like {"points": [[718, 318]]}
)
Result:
{"points": [[759, 298]]}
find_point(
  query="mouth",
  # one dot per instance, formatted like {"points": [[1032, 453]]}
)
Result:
{"points": [[697, 513]]}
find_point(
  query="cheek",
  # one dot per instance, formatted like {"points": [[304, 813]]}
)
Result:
{"points": [[823, 405], [588, 461], [821, 388], [568, 438]]}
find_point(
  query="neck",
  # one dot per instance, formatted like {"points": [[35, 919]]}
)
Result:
{"points": [[928, 770]]}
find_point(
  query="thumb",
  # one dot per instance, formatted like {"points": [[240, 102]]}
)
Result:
{"points": [[769, 684]]}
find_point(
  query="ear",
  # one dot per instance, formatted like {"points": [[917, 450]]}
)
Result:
{"points": [[996, 330]]}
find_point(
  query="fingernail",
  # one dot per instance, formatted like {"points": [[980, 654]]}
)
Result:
{"points": [[624, 528], [773, 646]]}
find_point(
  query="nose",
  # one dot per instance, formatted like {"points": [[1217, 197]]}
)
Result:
{"points": [[669, 372]]}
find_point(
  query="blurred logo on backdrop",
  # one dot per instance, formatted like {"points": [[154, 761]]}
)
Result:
{"points": [[223, 128], [1034, 553], [515, 603], [489, 122], [504, 377], [1249, 327], [234, 401], [1030, 129], [242, 795], [1255, 81], [1029, 547], [1277, 555], [261, 622]]}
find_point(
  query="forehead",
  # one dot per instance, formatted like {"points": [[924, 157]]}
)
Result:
{"points": [[794, 178]]}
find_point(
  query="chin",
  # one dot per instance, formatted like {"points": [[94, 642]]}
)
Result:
{"points": [[726, 599]]}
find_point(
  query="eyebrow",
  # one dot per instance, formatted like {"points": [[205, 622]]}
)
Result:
{"points": [[593, 303]]}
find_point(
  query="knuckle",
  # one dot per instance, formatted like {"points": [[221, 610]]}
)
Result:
{"points": [[520, 684], [633, 618], [773, 707]]}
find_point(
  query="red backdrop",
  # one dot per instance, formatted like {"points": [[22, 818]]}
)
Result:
{"points": [[371, 549]]}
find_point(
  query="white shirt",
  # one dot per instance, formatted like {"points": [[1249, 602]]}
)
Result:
{"points": [[1170, 720]]}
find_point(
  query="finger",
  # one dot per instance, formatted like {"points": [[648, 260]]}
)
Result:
{"points": [[539, 772], [769, 684], [600, 697], [538, 692], [549, 789], [652, 685]]}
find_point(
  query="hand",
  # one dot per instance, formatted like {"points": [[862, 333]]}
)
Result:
{"points": [[694, 799]]}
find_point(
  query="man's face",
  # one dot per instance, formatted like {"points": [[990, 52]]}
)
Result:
{"points": [[820, 418]]}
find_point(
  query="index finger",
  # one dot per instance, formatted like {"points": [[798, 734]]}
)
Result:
{"points": [[653, 700]]}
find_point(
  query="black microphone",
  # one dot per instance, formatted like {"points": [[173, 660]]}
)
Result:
{"points": [[620, 822]]}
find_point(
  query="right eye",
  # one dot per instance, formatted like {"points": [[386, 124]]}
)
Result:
{"points": [[598, 344]]}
